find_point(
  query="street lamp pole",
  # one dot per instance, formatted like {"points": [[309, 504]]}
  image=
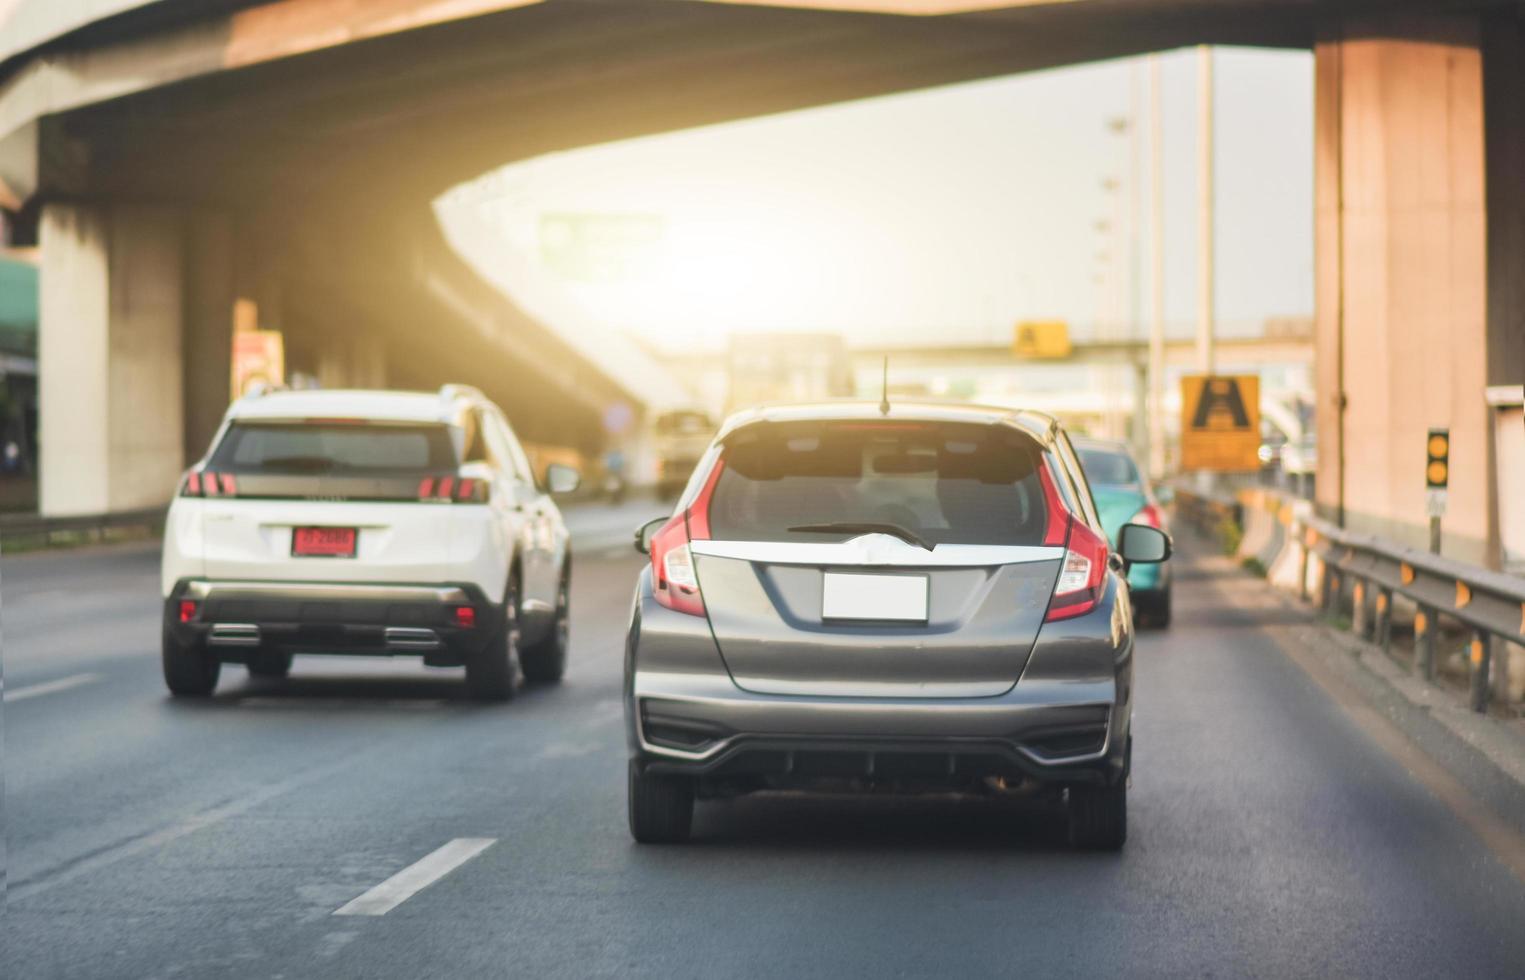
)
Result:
{"points": [[1205, 351], [1156, 273]]}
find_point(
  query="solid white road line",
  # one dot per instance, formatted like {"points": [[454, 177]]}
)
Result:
{"points": [[50, 687], [417, 876]]}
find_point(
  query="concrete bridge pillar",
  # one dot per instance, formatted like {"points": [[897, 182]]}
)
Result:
{"points": [[110, 357], [1409, 329]]}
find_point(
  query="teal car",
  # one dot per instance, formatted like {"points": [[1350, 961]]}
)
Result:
{"points": [[1123, 497]]}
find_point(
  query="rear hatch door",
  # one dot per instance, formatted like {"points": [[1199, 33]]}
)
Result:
{"points": [[271, 488], [806, 595]]}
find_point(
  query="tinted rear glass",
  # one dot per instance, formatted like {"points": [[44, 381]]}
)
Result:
{"points": [[334, 448], [1107, 467], [949, 484]]}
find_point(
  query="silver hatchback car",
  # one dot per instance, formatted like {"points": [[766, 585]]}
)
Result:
{"points": [[907, 598]]}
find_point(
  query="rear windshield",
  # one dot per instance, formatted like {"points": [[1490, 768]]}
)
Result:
{"points": [[334, 448], [1107, 467], [946, 483]]}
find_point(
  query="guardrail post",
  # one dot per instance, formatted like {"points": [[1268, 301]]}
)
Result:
{"points": [[1482, 663], [1385, 619], [1424, 643], [1358, 618]]}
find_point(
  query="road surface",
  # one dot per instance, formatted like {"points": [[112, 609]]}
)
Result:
{"points": [[363, 819]]}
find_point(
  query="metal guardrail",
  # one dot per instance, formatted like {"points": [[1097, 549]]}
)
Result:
{"points": [[36, 529], [1490, 604]]}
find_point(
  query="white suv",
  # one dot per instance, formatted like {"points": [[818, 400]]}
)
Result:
{"points": [[368, 522]]}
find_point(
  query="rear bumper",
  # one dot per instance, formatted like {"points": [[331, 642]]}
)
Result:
{"points": [[1066, 721], [234, 619], [705, 725]]}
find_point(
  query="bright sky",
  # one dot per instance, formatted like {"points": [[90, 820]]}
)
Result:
{"points": [[938, 216]]}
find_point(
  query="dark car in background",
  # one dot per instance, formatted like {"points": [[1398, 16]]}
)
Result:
{"points": [[902, 599], [1123, 496]]}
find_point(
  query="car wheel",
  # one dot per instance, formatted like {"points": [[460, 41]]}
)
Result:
{"points": [[491, 674], [1099, 816], [269, 664], [188, 671], [1153, 610], [1162, 611], [661, 808], [546, 661]]}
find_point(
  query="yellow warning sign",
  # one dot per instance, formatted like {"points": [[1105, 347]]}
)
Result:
{"points": [[1041, 339], [1220, 422], [258, 356]]}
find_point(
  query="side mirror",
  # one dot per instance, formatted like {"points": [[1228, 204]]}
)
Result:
{"points": [[1140, 544], [646, 532], [560, 479]]}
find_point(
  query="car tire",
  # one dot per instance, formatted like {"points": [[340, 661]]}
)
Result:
{"points": [[1099, 816], [1162, 611], [492, 673], [188, 671], [661, 808], [546, 661], [270, 664], [1153, 610]]}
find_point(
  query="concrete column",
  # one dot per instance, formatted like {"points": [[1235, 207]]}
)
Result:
{"points": [[208, 327], [1402, 283], [110, 381]]}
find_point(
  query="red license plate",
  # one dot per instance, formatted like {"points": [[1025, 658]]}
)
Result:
{"points": [[323, 542]]}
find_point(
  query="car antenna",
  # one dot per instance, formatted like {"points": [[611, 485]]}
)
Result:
{"points": [[884, 396]]}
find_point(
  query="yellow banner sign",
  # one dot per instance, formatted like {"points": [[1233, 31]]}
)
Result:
{"points": [[258, 356], [1041, 339], [1220, 422]]}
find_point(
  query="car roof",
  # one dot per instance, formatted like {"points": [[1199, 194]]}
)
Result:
{"points": [[1109, 445], [391, 406], [1036, 424]]}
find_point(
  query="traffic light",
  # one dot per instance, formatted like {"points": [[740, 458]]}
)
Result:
{"points": [[1437, 467]]}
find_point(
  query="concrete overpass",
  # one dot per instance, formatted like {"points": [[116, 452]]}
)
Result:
{"points": [[201, 152]]}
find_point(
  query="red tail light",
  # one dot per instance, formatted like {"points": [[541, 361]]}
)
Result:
{"points": [[465, 489], [187, 610], [1149, 514], [465, 617], [1083, 573], [200, 483], [675, 583]]}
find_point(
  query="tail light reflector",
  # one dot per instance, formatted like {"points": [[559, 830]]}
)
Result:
{"points": [[675, 581], [187, 610], [465, 617], [1083, 573], [1149, 514]]}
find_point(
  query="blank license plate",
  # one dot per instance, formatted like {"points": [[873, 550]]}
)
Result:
{"points": [[323, 542], [902, 598]]}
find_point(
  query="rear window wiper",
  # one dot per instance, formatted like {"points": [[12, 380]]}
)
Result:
{"points": [[866, 527]]}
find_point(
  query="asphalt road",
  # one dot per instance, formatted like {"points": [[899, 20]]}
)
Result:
{"points": [[1272, 833]]}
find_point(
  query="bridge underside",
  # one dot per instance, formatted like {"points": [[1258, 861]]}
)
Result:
{"points": [[304, 182]]}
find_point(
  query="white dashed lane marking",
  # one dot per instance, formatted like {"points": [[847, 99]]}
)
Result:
{"points": [[416, 877], [51, 687]]}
